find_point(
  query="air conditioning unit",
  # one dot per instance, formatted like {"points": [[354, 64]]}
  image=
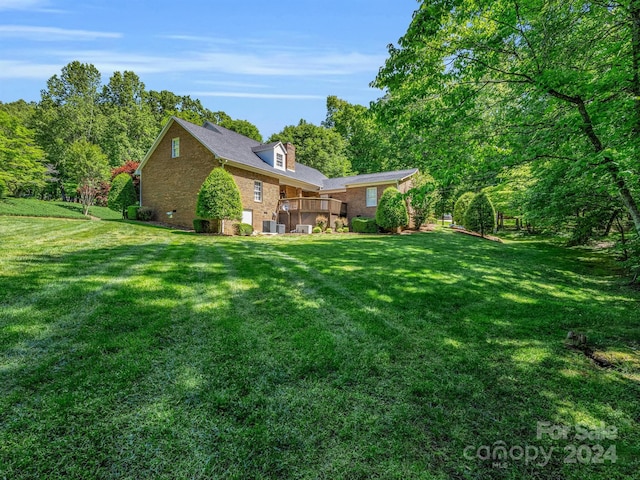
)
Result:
{"points": [[269, 226], [304, 228], [280, 228]]}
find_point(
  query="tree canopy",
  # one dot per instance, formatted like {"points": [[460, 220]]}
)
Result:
{"points": [[489, 85], [321, 148]]}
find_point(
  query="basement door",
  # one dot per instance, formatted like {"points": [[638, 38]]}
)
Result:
{"points": [[247, 217]]}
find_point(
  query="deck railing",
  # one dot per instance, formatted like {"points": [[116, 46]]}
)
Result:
{"points": [[312, 205]]}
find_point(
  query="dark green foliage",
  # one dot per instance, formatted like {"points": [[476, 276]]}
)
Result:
{"points": [[3, 189], [200, 225], [460, 207], [423, 197], [132, 212], [480, 215], [122, 193], [318, 147], [243, 229], [392, 212], [219, 197], [364, 225], [145, 214]]}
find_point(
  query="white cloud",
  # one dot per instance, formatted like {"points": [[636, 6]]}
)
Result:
{"points": [[28, 5], [195, 38], [51, 34], [309, 64], [21, 4], [277, 96], [12, 69]]}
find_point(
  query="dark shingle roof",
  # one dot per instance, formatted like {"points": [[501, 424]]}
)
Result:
{"points": [[368, 178], [227, 144]]}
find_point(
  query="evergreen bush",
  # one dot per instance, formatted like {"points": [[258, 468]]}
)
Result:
{"points": [[145, 214], [460, 207], [219, 198], [243, 229], [132, 212], [480, 215], [122, 193], [392, 210], [364, 225]]}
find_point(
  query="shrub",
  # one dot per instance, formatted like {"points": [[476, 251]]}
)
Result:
{"points": [[392, 210], [321, 221], [145, 214], [122, 194], [132, 212], [329, 230], [243, 229], [200, 225], [364, 225], [3, 189], [423, 197], [219, 198], [460, 207], [480, 215], [340, 222], [317, 230]]}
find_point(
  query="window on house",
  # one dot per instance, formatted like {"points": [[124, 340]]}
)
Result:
{"points": [[257, 191], [372, 196], [279, 160], [175, 147]]}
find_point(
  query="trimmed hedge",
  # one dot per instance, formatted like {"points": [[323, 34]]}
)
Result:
{"points": [[480, 215], [132, 212], [364, 225], [460, 207], [200, 225], [145, 214], [243, 229]]}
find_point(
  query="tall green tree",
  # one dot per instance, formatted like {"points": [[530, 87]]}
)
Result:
{"points": [[68, 112], [491, 84], [219, 198], [423, 197], [21, 161], [130, 127], [321, 148]]}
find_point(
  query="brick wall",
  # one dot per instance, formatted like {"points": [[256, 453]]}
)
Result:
{"points": [[270, 195], [356, 199], [170, 184]]}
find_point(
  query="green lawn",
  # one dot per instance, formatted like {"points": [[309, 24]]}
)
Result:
{"points": [[128, 351], [30, 207]]}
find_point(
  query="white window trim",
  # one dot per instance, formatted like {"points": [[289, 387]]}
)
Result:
{"points": [[371, 202], [257, 191], [175, 147]]}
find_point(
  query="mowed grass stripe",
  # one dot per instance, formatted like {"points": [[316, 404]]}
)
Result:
{"points": [[261, 358]]}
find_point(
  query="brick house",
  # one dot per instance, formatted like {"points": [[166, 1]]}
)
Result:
{"points": [[273, 186]]}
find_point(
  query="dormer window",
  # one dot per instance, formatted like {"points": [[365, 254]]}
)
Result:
{"points": [[279, 160]]}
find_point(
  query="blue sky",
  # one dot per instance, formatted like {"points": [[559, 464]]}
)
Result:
{"points": [[269, 62]]}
